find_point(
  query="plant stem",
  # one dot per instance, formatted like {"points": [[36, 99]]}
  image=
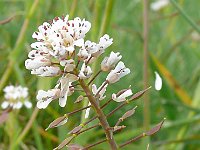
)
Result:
{"points": [[92, 145], [94, 77], [101, 115], [145, 59], [78, 110], [28, 126]]}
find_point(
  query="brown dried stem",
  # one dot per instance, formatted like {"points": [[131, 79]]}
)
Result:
{"points": [[101, 115], [92, 145]]}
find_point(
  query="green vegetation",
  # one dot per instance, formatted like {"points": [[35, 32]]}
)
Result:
{"points": [[173, 52]]}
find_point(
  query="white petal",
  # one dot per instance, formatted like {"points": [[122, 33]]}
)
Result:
{"points": [[87, 112], [158, 82], [28, 104], [43, 104], [5, 104], [17, 105], [79, 42]]}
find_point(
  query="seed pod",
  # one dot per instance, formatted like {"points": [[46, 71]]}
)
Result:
{"points": [[139, 94], [74, 147], [79, 99], [155, 129], [75, 130], [64, 143], [128, 114], [58, 122]]}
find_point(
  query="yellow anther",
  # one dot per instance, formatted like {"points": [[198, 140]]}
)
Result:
{"points": [[74, 135], [127, 101]]}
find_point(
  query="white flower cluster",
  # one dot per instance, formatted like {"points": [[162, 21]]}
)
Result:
{"points": [[60, 48], [16, 97]]}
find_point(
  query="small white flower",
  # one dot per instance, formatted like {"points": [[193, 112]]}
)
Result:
{"points": [[15, 97], [109, 62], [159, 4], [85, 72], [83, 54], [47, 71], [37, 62], [97, 49], [41, 46], [45, 97], [91, 47], [44, 31], [105, 41], [158, 82], [36, 53], [123, 96], [87, 112], [65, 88], [101, 93], [119, 72], [68, 64]]}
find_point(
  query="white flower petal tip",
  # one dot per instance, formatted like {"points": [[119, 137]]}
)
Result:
{"points": [[158, 82], [122, 97], [159, 4]]}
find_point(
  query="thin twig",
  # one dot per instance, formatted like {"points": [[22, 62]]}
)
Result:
{"points": [[145, 59], [101, 115], [78, 110], [92, 145], [94, 77]]}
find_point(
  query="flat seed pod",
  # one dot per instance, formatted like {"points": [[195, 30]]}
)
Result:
{"points": [[64, 143], [155, 129], [58, 122], [74, 147], [75, 130], [128, 114], [139, 94]]}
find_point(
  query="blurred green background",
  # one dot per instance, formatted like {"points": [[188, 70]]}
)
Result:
{"points": [[174, 52]]}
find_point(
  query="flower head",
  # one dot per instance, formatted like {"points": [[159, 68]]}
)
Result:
{"points": [[109, 62], [122, 97], [119, 72], [16, 97]]}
